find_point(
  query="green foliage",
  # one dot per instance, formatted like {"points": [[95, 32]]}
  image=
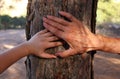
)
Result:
{"points": [[7, 22], [108, 11], [1, 25]]}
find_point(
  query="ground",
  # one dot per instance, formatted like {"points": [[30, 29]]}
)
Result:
{"points": [[106, 66], [9, 39]]}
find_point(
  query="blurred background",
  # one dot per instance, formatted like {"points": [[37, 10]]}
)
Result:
{"points": [[12, 24], [12, 14]]}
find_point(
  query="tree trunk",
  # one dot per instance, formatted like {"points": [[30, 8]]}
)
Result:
{"points": [[74, 67]]}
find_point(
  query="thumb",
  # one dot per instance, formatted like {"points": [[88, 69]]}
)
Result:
{"points": [[66, 53], [46, 55]]}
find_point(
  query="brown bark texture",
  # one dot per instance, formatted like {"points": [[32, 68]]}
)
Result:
{"points": [[73, 67]]}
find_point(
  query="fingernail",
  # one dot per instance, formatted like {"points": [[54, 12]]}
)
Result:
{"points": [[55, 57], [48, 16], [60, 12]]}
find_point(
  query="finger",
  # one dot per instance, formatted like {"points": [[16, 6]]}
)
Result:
{"points": [[55, 24], [43, 31], [68, 15], [54, 44], [48, 34], [46, 55], [66, 53], [59, 20], [53, 38], [54, 30], [40, 32]]}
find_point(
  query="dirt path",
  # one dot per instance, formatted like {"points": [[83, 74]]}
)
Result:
{"points": [[106, 66], [9, 39]]}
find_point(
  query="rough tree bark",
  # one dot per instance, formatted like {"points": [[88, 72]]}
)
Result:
{"points": [[74, 67]]}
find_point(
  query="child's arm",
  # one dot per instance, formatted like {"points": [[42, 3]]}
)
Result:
{"points": [[36, 46]]}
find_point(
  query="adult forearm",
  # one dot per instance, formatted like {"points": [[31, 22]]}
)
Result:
{"points": [[11, 56], [109, 44]]}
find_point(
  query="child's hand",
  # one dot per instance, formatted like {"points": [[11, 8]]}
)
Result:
{"points": [[40, 42]]}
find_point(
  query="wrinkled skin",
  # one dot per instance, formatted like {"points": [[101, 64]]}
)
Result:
{"points": [[78, 36]]}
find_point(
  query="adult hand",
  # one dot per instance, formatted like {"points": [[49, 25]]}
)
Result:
{"points": [[78, 36], [40, 42]]}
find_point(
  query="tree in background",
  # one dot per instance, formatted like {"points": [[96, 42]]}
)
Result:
{"points": [[108, 11], [7, 22], [74, 67]]}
